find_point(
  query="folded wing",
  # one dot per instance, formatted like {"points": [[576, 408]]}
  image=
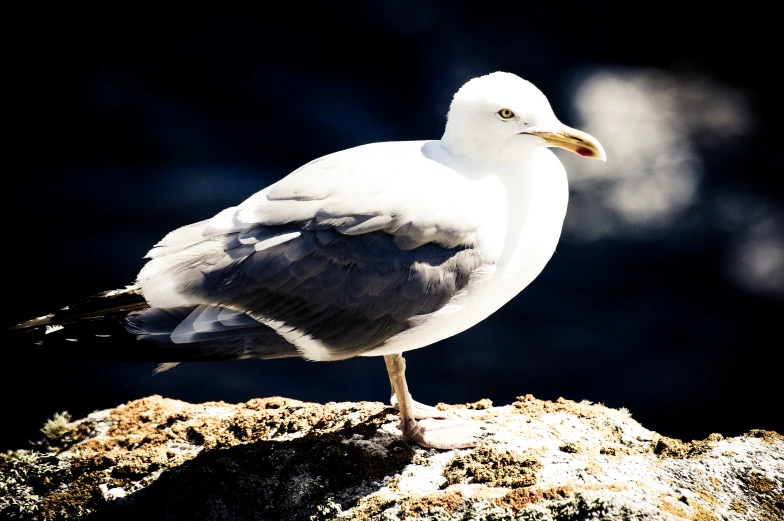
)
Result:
{"points": [[336, 258]]}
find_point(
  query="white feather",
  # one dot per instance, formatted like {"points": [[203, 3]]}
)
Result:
{"points": [[52, 329], [488, 183]]}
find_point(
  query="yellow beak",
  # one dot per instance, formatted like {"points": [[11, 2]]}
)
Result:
{"points": [[575, 141]]}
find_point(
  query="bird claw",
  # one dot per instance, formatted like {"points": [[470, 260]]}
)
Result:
{"points": [[443, 434]]}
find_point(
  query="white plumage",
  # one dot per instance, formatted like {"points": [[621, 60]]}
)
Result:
{"points": [[375, 250]]}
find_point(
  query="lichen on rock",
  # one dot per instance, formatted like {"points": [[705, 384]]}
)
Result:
{"points": [[276, 458], [486, 465]]}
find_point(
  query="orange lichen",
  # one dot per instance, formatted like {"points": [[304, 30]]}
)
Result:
{"points": [[519, 498], [445, 501]]}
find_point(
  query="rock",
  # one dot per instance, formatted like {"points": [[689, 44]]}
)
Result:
{"points": [[275, 458]]}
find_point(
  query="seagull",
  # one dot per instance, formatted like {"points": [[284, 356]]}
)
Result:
{"points": [[371, 251]]}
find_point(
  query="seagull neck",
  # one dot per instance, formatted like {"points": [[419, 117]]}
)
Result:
{"points": [[474, 149]]}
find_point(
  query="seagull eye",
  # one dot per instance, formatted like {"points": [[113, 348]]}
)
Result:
{"points": [[506, 113]]}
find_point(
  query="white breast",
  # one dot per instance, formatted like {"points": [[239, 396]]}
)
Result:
{"points": [[523, 213]]}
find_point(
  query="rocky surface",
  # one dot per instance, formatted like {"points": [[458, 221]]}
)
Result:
{"points": [[275, 458]]}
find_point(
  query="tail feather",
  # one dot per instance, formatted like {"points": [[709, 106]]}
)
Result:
{"points": [[102, 305], [164, 366], [120, 325]]}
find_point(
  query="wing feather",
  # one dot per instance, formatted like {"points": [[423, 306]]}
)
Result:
{"points": [[345, 250]]}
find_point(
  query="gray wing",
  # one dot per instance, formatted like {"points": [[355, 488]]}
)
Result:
{"points": [[302, 258]]}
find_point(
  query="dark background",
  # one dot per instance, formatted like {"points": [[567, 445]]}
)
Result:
{"points": [[129, 122]]}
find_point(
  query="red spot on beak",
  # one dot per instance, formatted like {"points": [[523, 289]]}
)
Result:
{"points": [[584, 152]]}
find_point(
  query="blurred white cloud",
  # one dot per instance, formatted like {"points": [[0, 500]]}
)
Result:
{"points": [[654, 125], [756, 257], [650, 123]]}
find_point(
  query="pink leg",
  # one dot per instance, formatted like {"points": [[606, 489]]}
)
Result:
{"points": [[442, 433], [421, 411]]}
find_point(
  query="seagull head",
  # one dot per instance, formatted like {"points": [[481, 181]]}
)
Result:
{"points": [[501, 116]]}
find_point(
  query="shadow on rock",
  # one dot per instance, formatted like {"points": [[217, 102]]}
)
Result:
{"points": [[265, 480]]}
